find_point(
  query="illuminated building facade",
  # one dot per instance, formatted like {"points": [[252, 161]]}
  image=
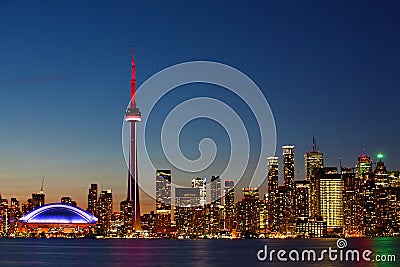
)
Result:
{"points": [[301, 199], [189, 215], [92, 200], [364, 165], [68, 200], [331, 197], [248, 212], [201, 184], [229, 204], [312, 160], [163, 198], [38, 200], [272, 192], [56, 220], [216, 190], [351, 226], [311, 227], [288, 177], [105, 211]]}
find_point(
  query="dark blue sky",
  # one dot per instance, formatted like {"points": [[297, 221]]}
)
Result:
{"points": [[328, 68]]}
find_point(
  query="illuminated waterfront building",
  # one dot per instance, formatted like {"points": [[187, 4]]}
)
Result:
{"points": [[201, 184], [248, 212], [126, 210], [188, 212], [92, 200], [229, 204], [163, 198], [149, 221], [4, 216], [272, 192], [282, 212], [105, 211], [331, 197], [301, 199], [56, 220], [306, 227], [216, 190], [117, 228], [288, 178]]}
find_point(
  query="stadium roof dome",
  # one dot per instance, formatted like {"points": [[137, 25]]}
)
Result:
{"points": [[58, 213]]}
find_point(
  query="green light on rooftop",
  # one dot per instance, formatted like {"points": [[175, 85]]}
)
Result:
{"points": [[380, 156]]}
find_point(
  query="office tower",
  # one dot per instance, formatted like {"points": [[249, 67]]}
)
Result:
{"points": [[68, 200], [188, 213], [387, 207], [27, 206], [350, 207], [37, 200], [313, 159], [149, 221], [381, 174], [282, 212], [126, 210], [272, 191], [331, 197], [301, 199], [163, 198], [4, 216], [201, 184], [14, 214], [92, 200], [105, 209], [133, 116], [315, 202], [367, 204], [288, 177], [229, 204], [248, 212], [364, 165], [216, 190]]}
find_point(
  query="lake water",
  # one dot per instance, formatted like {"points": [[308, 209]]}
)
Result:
{"points": [[157, 252]]}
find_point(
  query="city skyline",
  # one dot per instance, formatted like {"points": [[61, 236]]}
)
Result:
{"points": [[296, 62]]}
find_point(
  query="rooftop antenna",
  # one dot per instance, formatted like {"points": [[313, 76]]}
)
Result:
{"points": [[102, 186], [41, 188], [314, 145]]}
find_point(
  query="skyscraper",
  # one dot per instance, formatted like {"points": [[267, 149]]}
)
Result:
{"points": [[201, 184], [229, 204], [272, 191], [301, 199], [216, 190], [163, 198], [248, 212], [288, 176], [331, 197], [38, 199], [188, 214], [133, 116], [364, 165], [105, 209], [313, 159], [92, 200]]}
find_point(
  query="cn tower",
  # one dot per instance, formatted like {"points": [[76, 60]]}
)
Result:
{"points": [[132, 116]]}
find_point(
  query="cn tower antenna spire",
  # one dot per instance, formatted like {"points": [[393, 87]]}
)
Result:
{"points": [[133, 79]]}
